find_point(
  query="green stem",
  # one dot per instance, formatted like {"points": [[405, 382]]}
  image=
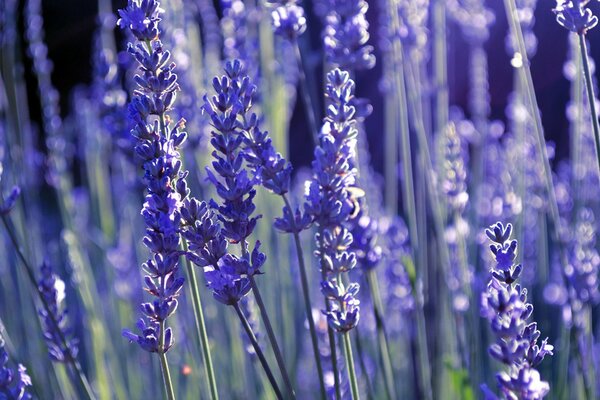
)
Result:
{"points": [[350, 366], [201, 327], [307, 302], [590, 93], [79, 374], [272, 338], [258, 350], [165, 365], [382, 341]]}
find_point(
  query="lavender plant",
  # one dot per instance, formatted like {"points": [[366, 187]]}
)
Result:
{"points": [[505, 306], [157, 151], [330, 203], [230, 114]]}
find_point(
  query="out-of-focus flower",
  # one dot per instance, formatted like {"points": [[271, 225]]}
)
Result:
{"points": [[62, 347], [288, 18], [330, 202], [346, 34]]}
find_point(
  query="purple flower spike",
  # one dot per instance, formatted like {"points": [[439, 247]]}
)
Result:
{"points": [[157, 151], [331, 201], [505, 306], [346, 34], [287, 18]]}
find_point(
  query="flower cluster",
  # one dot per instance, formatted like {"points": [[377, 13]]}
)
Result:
{"points": [[234, 127], [574, 16], [346, 34], [62, 347], [504, 304], [226, 274], [330, 202], [288, 18], [12, 387], [157, 150], [229, 111]]}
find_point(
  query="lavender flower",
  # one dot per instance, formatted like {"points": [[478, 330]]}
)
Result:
{"points": [[229, 112], [288, 18], [54, 321], [12, 387], [346, 34], [505, 306], [574, 16], [330, 203], [157, 150]]}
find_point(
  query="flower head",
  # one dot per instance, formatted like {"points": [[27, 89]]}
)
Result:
{"points": [[157, 151], [505, 306], [330, 201]]}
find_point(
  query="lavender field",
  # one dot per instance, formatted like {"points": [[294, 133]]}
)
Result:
{"points": [[286, 199]]}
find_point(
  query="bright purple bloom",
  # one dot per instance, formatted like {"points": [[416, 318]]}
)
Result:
{"points": [[330, 200], [225, 273], [54, 321], [158, 142], [229, 113], [12, 386], [141, 17], [505, 305]]}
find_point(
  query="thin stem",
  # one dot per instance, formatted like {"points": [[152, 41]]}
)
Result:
{"points": [[201, 327], [590, 93], [350, 366], [307, 302], [165, 365], [69, 356], [258, 350], [305, 94], [272, 338], [382, 341]]}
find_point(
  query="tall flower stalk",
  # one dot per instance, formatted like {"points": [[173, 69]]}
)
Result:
{"points": [[330, 202], [504, 304], [574, 16], [234, 125], [158, 142]]}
